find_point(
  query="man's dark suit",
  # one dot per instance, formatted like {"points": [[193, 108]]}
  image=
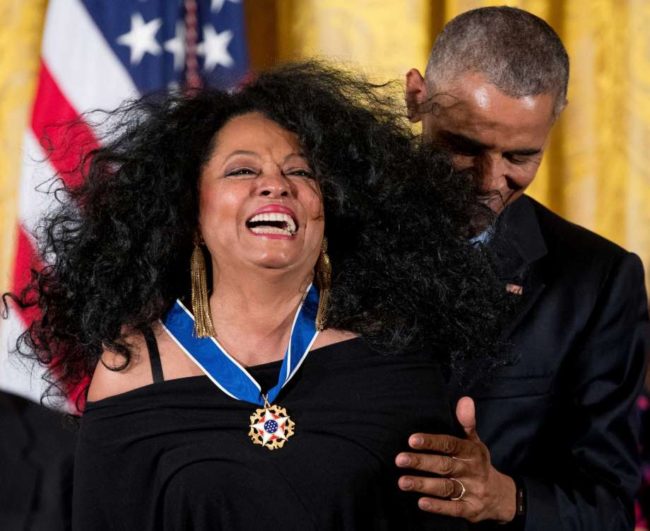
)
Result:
{"points": [[559, 417], [35, 467]]}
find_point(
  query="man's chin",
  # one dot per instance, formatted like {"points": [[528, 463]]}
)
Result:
{"points": [[497, 202]]}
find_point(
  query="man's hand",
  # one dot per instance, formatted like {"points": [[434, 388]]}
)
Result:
{"points": [[482, 492]]}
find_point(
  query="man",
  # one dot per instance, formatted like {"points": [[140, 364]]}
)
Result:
{"points": [[36, 450], [550, 438]]}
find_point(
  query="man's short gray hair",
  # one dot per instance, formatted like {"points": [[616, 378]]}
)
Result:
{"points": [[517, 52]]}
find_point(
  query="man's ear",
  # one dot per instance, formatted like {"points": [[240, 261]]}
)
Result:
{"points": [[416, 94]]}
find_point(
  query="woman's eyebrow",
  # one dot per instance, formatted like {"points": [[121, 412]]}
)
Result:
{"points": [[298, 154], [241, 152]]}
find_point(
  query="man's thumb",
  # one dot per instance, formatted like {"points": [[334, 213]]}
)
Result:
{"points": [[466, 415]]}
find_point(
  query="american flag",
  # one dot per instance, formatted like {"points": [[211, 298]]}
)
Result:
{"points": [[94, 55]]}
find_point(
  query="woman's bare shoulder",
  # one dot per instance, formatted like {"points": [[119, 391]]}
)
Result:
{"points": [[113, 376]]}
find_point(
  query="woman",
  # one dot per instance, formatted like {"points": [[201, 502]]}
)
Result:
{"points": [[331, 277]]}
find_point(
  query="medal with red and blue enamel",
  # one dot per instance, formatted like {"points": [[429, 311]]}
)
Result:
{"points": [[270, 425]]}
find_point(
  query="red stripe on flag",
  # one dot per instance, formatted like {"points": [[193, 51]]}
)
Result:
{"points": [[77, 395], [26, 259], [59, 129]]}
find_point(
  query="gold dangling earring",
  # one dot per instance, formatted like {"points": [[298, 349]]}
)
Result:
{"points": [[323, 282], [200, 302]]}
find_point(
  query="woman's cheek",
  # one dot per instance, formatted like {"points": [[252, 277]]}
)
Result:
{"points": [[316, 207]]}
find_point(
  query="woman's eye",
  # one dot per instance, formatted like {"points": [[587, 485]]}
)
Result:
{"points": [[300, 172], [241, 172]]}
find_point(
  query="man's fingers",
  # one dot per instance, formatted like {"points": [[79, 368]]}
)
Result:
{"points": [[458, 509], [438, 487], [466, 415], [443, 465], [442, 444]]}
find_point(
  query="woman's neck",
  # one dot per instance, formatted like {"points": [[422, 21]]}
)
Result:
{"points": [[252, 315]]}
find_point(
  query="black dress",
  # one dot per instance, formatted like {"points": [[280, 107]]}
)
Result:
{"points": [[175, 455]]}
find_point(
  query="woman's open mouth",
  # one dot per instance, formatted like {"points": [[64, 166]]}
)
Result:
{"points": [[272, 223]]}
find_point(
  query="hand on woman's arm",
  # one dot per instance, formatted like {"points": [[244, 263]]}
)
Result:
{"points": [[466, 473]]}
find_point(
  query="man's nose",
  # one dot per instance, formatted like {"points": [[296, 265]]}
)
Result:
{"points": [[493, 173]]}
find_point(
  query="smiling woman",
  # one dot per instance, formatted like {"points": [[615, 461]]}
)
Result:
{"points": [[280, 268]]}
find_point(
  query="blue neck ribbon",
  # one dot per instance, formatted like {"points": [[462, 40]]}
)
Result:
{"points": [[224, 371]]}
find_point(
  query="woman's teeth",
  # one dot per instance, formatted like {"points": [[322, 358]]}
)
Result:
{"points": [[272, 223]]}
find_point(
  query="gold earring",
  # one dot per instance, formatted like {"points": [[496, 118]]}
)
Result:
{"points": [[323, 282], [200, 302]]}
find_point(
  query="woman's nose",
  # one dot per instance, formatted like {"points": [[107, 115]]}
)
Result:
{"points": [[273, 183]]}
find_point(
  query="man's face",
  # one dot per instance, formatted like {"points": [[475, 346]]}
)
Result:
{"points": [[502, 139]]}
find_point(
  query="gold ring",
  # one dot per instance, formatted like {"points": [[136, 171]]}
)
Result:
{"points": [[463, 490]]}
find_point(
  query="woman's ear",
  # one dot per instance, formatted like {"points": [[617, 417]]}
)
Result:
{"points": [[416, 94]]}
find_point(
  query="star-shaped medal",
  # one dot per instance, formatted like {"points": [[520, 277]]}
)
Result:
{"points": [[271, 426]]}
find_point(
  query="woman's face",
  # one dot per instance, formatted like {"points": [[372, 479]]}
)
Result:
{"points": [[259, 204]]}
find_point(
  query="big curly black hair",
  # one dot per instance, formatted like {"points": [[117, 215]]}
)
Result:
{"points": [[398, 221]]}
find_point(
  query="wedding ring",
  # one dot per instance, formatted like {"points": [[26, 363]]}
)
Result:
{"points": [[462, 490]]}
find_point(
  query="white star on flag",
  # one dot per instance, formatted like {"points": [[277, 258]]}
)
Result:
{"points": [[176, 46], [142, 37], [278, 433], [217, 5], [215, 48]]}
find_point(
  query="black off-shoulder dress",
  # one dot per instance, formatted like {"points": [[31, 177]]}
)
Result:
{"points": [[175, 455]]}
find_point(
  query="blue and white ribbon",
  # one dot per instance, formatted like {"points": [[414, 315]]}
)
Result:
{"points": [[224, 371]]}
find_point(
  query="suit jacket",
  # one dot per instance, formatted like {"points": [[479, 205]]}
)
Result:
{"points": [[36, 452], [560, 416]]}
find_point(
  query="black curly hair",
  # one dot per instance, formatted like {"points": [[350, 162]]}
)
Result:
{"points": [[399, 219]]}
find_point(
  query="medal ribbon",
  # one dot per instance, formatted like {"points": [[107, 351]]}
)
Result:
{"points": [[224, 371]]}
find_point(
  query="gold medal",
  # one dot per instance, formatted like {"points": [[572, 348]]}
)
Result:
{"points": [[270, 426]]}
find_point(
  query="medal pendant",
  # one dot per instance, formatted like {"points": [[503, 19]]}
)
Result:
{"points": [[271, 426]]}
